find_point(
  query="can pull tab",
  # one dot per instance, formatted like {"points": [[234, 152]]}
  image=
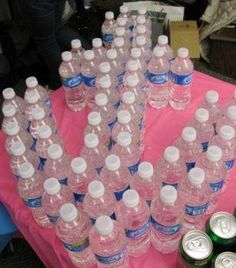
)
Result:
{"points": [[196, 245], [227, 263], [224, 226]]}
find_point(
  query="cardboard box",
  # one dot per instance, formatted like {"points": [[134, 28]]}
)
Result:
{"points": [[185, 34]]}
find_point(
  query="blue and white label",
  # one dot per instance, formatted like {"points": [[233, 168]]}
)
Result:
{"points": [[42, 163], [89, 81], [111, 125], [116, 105], [119, 194], [175, 185], [79, 197], [33, 146], [138, 232], [190, 165], [113, 258], [120, 78], [107, 38], [205, 146], [48, 103], [53, 219], [196, 210], [158, 78], [216, 186], [33, 202], [134, 168], [113, 216], [230, 163], [77, 247], [181, 79], [166, 230], [131, 27], [72, 82], [63, 181], [98, 169]]}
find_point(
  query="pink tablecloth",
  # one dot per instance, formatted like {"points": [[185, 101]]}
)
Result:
{"points": [[162, 128]]}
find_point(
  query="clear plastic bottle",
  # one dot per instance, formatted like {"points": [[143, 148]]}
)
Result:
{"points": [[171, 168], [10, 97], [73, 231], [108, 243], [142, 11], [215, 172], [146, 182], [124, 13], [54, 196], [229, 118], [122, 50], [204, 128], [107, 29], [167, 214], [94, 151], [99, 201], [98, 49], [122, 32], [80, 177], [181, 74], [71, 78], [135, 54], [141, 42], [115, 176], [128, 152], [142, 20], [158, 79], [57, 165], [141, 30], [196, 194], [134, 215], [30, 190], [77, 51], [162, 42], [190, 149]]}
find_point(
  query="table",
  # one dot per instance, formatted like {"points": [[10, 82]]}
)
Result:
{"points": [[162, 128]]}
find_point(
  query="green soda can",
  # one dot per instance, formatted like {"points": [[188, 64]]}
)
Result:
{"points": [[225, 260]]}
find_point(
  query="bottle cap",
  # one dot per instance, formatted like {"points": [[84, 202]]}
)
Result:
{"points": [[142, 10], [12, 128], [196, 176], [182, 52], [26, 170], [78, 165], [130, 198], [104, 225], [128, 97], [171, 154], [132, 65], [214, 153], [94, 118], [189, 134], [145, 170], [231, 112], [112, 162], [141, 19], [226, 132], [96, 189], [89, 55], [120, 31], [141, 29], [141, 40], [91, 140], [132, 81], [44, 132], [119, 41], [101, 99], [52, 186], [158, 52], [124, 139], [31, 82], [162, 40], [55, 151], [111, 54], [123, 117], [201, 115], [97, 42], [38, 113], [212, 96], [68, 212], [8, 110], [76, 44], [168, 194], [105, 82], [66, 56], [18, 148], [32, 97], [136, 52], [105, 67], [124, 9], [8, 93], [109, 15]]}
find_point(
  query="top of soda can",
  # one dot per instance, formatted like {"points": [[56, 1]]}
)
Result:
{"points": [[225, 259]]}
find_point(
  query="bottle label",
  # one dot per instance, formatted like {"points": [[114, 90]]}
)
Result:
{"points": [[71, 82], [229, 164], [140, 123], [98, 169], [190, 165], [89, 81], [53, 219], [149, 202], [42, 163], [131, 27], [181, 79], [119, 195], [133, 169], [215, 187], [158, 78], [33, 146], [113, 216], [48, 103], [205, 146], [113, 258], [33, 202], [195, 211], [120, 78], [171, 184], [111, 125], [77, 247], [138, 232], [116, 105], [63, 181], [166, 230], [107, 38], [79, 197]]}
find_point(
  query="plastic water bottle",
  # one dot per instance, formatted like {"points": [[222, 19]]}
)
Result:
{"points": [[94, 151], [73, 231], [158, 79], [106, 110], [30, 190], [190, 149], [128, 152], [215, 172], [171, 168], [57, 165], [162, 42], [145, 182], [122, 50], [77, 51], [99, 201], [135, 54], [71, 78], [196, 194], [80, 177], [204, 128], [105, 70], [181, 74], [54, 196], [142, 11], [122, 25], [141, 30], [115, 176], [107, 29], [167, 214], [141, 42], [134, 215], [98, 49], [10, 97], [11, 115], [142, 20], [124, 13], [229, 118], [108, 243]]}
